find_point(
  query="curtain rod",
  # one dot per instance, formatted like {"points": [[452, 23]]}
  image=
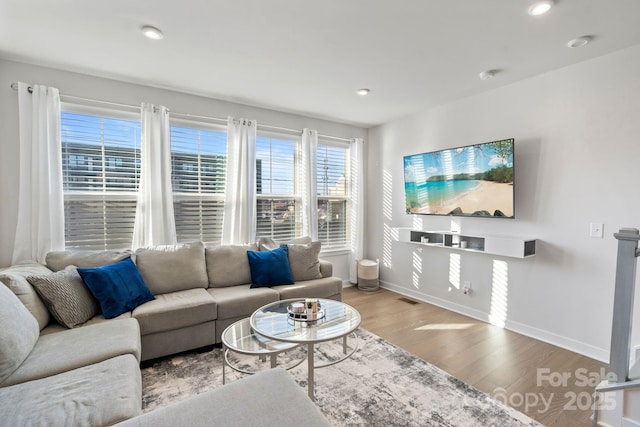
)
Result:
{"points": [[14, 86]]}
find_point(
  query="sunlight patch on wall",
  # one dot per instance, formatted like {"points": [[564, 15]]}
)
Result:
{"points": [[417, 222], [389, 235], [387, 195], [454, 270], [417, 268], [499, 293], [444, 326]]}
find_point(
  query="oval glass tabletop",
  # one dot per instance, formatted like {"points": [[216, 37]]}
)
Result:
{"points": [[241, 338], [273, 321]]}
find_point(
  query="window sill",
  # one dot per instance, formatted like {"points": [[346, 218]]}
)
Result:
{"points": [[335, 252]]}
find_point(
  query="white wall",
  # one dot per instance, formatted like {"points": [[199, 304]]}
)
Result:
{"points": [[117, 91], [577, 155]]}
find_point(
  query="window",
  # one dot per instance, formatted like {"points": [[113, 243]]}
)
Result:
{"points": [[333, 180], [199, 159], [101, 172], [277, 192]]}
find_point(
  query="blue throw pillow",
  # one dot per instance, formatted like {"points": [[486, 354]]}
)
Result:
{"points": [[118, 287], [270, 268]]}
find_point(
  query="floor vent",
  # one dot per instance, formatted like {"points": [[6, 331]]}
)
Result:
{"points": [[408, 301]]}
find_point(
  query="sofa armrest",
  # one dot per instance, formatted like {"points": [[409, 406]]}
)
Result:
{"points": [[326, 268]]}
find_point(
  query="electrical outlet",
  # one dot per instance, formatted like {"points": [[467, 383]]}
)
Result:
{"points": [[596, 229], [466, 287]]}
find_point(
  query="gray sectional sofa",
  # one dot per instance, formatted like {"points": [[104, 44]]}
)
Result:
{"points": [[90, 374]]}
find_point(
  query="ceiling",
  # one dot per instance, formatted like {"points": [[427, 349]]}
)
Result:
{"points": [[310, 57]]}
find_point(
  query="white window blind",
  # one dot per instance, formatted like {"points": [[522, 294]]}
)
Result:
{"points": [[101, 171], [198, 157], [277, 190], [333, 181]]}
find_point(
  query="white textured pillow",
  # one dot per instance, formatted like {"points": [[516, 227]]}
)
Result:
{"points": [[66, 295], [18, 332]]}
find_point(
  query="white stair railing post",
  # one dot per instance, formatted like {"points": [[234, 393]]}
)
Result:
{"points": [[623, 303], [618, 378]]}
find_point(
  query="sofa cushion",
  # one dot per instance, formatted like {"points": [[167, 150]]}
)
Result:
{"points": [[228, 265], [54, 327], [175, 310], [118, 287], [327, 287], [241, 300], [267, 243], [173, 268], [74, 348], [15, 277], [100, 394], [304, 261], [270, 268], [67, 297], [58, 260], [272, 399], [18, 333]]}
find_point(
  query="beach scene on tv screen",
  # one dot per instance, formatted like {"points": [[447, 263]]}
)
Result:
{"points": [[476, 180]]}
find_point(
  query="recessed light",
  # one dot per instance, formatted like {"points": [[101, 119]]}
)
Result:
{"points": [[540, 7], [488, 74], [152, 32], [363, 91], [579, 42]]}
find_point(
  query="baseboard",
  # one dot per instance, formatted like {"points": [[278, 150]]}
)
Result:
{"points": [[560, 341], [626, 422], [458, 308], [529, 331]]}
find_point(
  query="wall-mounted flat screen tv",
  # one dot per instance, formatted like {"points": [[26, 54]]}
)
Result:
{"points": [[475, 180]]}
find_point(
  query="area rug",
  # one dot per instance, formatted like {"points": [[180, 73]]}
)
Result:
{"points": [[379, 385]]}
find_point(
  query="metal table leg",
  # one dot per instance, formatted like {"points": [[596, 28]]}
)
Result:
{"points": [[310, 357], [224, 363]]}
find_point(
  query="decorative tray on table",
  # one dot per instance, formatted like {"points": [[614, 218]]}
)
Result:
{"points": [[308, 310]]}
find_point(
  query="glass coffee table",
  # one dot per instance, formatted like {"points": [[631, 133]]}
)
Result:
{"points": [[339, 321], [241, 338]]}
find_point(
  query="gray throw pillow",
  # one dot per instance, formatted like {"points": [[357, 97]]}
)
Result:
{"points": [[304, 262], [268, 244], [58, 260], [67, 297], [18, 332], [15, 278], [171, 268], [227, 265]]}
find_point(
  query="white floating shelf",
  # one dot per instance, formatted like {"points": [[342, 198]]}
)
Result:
{"points": [[515, 247]]}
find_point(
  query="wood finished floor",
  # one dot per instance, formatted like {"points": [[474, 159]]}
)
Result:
{"points": [[502, 363]]}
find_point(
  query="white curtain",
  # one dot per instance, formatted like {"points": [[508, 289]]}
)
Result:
{"points": [[155, 221], [40, 225], [357, 206], [309, 183], [239, 223]]}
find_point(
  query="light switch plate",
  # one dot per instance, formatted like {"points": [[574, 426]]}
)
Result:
{"points": [[596, 229]]}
